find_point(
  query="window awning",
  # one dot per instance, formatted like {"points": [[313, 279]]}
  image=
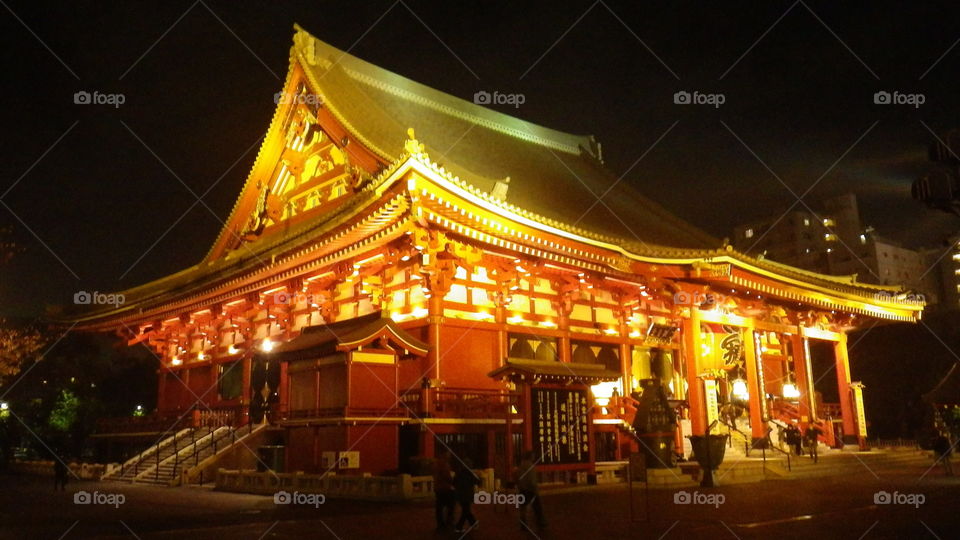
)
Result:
{"points": [[317, 341], [554, 371]]}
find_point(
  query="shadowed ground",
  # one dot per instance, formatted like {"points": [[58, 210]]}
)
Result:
{"points": [[833, 507]]}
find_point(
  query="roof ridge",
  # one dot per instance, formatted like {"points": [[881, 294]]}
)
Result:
{"points": [[385, 80]]}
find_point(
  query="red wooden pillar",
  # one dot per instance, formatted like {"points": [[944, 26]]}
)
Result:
{"points": [[843, 388], [246, 396], [803, 380], [508, 435], [528, 419], [283, 393], [691, 355], [755, 385], [434, 320]]}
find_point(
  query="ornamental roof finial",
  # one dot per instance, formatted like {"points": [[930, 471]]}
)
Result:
{"points": [[412, 146], [500, 189]]}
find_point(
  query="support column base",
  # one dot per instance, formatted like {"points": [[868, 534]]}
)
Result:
{"points": [[759, 442]]}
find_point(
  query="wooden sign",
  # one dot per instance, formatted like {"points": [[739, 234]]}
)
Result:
{"points": [[710, 397], [858, 403], [561, 423]]}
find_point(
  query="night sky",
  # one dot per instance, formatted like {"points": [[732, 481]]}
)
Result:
{"points": [[105, 198]]}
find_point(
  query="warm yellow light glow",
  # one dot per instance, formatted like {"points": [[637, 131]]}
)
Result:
{"points": [[267, 345], [201, 356], [483, 316], [635, 334], [516, 319], [790, 391], [548, 324], [739, 390], [610, 331], [176, 361], [232, 350], [602, 392]]}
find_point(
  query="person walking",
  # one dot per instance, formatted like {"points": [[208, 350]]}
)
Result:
{"points": [[941, 453], [794, 439], [529, 488], [812, 436], [59, 475], [464, 483], [443, 490]]}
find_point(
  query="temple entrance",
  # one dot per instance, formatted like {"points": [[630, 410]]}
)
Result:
{"points": [[823, 361], [408, 446], [465, 446], [264, 388]]}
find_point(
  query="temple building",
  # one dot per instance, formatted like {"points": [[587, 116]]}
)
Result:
{"points": [[405, 271]]}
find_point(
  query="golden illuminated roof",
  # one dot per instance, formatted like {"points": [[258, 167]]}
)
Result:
{"points": [[554, 174], [463, 150]]}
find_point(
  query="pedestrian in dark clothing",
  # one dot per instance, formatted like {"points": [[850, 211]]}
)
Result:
{"points": [[528, 488], [443, 490], [59, 475], [795, 440], [941, 453], [464, 482], [812, 436]]}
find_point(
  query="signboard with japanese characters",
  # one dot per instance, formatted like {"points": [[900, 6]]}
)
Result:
{"points": [[561, 425], [857, 388], [710, 395]]}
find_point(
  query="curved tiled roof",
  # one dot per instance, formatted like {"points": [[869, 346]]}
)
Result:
{"points": [[553, 174]]}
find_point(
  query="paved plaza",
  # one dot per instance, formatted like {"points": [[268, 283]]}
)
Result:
{"points": [[922, 505]]}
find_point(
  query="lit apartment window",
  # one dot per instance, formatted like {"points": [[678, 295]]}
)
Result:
{"points": [[806, 222], [830, 237], [748, 233], [863, 239], [829, 250], [827, 222]]}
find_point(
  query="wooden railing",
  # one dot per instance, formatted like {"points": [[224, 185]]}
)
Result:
{"points": [[830, 410], [342, 412], [447, 402], [893, 443]]}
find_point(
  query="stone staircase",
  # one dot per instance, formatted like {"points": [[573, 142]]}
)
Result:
{"points": [[168, 471], [836, 462], [166, 462], [138, 464]]}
